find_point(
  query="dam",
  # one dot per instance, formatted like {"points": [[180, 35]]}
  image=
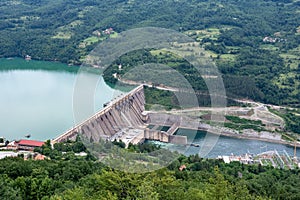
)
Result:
{"points": [[122, 119]]}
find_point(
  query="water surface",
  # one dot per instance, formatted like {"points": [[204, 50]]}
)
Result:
{"points": [[225, 145], [38, 101]]}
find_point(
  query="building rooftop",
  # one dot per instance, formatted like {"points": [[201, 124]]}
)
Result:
{"points": [[31, 143]]}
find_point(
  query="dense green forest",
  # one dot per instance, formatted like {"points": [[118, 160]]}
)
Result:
{"points": [[66, 176], [254, 43]]}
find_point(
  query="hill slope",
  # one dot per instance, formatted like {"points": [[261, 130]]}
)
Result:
{"points": [[258, 39]]}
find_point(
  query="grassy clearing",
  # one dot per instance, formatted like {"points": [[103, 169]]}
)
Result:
{"points": [[228, 57], [288, 56], [211, 33], [211, 54], [114, 35], [65, 32], [186, 49], [89, 41], [63, 35], [94, 39], [71, 25], [162, 52], [158, 52], [270, 47], [233, 48]]}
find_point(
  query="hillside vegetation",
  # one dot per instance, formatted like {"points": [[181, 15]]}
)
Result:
{"points": [[254, 43], [67, 176]]}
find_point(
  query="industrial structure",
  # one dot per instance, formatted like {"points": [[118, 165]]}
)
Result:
{"points": [[123, 119]]}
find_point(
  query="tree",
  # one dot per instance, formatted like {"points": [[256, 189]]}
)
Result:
{"points": [[146, 191], [218, 188]]}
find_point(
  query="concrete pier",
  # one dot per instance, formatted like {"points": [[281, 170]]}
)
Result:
{"points": [[173, 128]]}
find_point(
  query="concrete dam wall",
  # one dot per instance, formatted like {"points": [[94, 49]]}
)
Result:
{"points": [[122, 119], [124, 112]]}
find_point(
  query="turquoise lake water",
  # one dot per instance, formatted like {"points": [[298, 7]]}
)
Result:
{"points": [[38, 101]]}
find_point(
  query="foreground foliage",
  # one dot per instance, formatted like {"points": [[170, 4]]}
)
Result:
{"points": [[83, 178]]}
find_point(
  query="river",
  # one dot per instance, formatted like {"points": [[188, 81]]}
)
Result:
{"points": [[225, 145]]}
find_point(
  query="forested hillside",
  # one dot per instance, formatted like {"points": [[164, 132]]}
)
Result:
{"points": [[257, 39], [70, 177]]}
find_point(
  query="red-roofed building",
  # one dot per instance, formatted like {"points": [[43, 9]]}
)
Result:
{"points": [[29, 145]]}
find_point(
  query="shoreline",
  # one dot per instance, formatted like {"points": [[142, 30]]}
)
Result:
{"points": [[60, 66]]}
